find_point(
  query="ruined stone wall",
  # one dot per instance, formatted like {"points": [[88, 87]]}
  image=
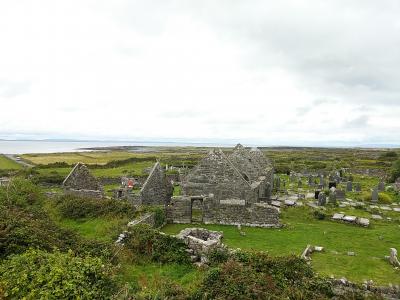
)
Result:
{"points": [[179, 210], [232, 212], [216, 175], [81, 179], [228, 212], [156, 190], [85, 193]]}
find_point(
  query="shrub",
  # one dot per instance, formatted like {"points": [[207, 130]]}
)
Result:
{"points": [[319, 215], [21, 193], [218, 256], [74, 207], [146, 242], [40, 275], [259, 276], [52, 178], [395, 171]]}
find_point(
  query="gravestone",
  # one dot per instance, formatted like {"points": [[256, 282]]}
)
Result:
{"points": [[340, 195], [358, 187], [381, 186], [349, 186], [321, 199], [310, 181], [374, 196], [332, 197]]}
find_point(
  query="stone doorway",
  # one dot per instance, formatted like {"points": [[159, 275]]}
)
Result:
{"points": [[196, 210]]}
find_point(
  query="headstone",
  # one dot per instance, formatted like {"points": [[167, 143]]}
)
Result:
{"points": [[321, 199], [376, 217], [358, 187], [310, 181], [374, 196], [349, 186], [381, 186], [340, 195], [332, 197]]}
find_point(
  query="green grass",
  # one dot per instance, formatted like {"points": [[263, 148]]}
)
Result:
{"points": [[371, 245], [147, 276], [102, 229], [8, 164]]}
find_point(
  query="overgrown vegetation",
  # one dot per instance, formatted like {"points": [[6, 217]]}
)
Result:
{"points": [[73, 207], [37, 274], [148, 244]]}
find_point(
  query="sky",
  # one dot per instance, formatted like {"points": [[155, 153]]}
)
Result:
{"points": [[262, 72]]}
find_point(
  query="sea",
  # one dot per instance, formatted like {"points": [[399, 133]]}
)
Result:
{"points": [[23, 147]]}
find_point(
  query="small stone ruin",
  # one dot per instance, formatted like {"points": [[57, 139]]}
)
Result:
{"points": [[200, 242], [82, 183]]}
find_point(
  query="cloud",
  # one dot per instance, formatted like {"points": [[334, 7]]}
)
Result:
{"points": [[269, 72]]}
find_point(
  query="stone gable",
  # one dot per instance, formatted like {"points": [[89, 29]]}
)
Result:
{"points": [[157, 190], [80, 178], [216, 175]]}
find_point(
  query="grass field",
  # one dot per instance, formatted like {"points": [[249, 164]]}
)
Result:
{"points": [[8, 164], [370, 245]]}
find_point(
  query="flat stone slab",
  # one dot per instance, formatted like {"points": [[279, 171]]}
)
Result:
{"points": [[350, 219], [374, 206], [376, 217], [310, 195], [299, 203], [313, 205], [363, 222], [276, 203], [338, 217], [386, 208], [290, 202], [342, 205], [396, 209]]}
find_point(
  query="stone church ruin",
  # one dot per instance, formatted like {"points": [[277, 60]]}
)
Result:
{"points": [[82, 183], [227, 189]]}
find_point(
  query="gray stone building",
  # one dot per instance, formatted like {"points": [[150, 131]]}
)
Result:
{"points": [[82, 183], [227, 189]]}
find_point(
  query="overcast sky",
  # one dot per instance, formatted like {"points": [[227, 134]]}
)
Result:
{"points": [[265, 72]]}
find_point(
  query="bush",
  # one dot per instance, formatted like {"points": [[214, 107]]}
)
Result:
{"points": [[52, 178], [21, 193], [147, 243], [259, 276], [218, 256], [319, 215], [40, 275], [74, 207], [395, 171]]}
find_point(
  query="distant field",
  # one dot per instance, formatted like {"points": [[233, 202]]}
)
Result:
{"points": [[75, 157], [369, 244], [8, 164]]}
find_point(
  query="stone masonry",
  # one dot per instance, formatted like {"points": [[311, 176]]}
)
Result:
{"points": [[157, 190], [82, 183]]}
